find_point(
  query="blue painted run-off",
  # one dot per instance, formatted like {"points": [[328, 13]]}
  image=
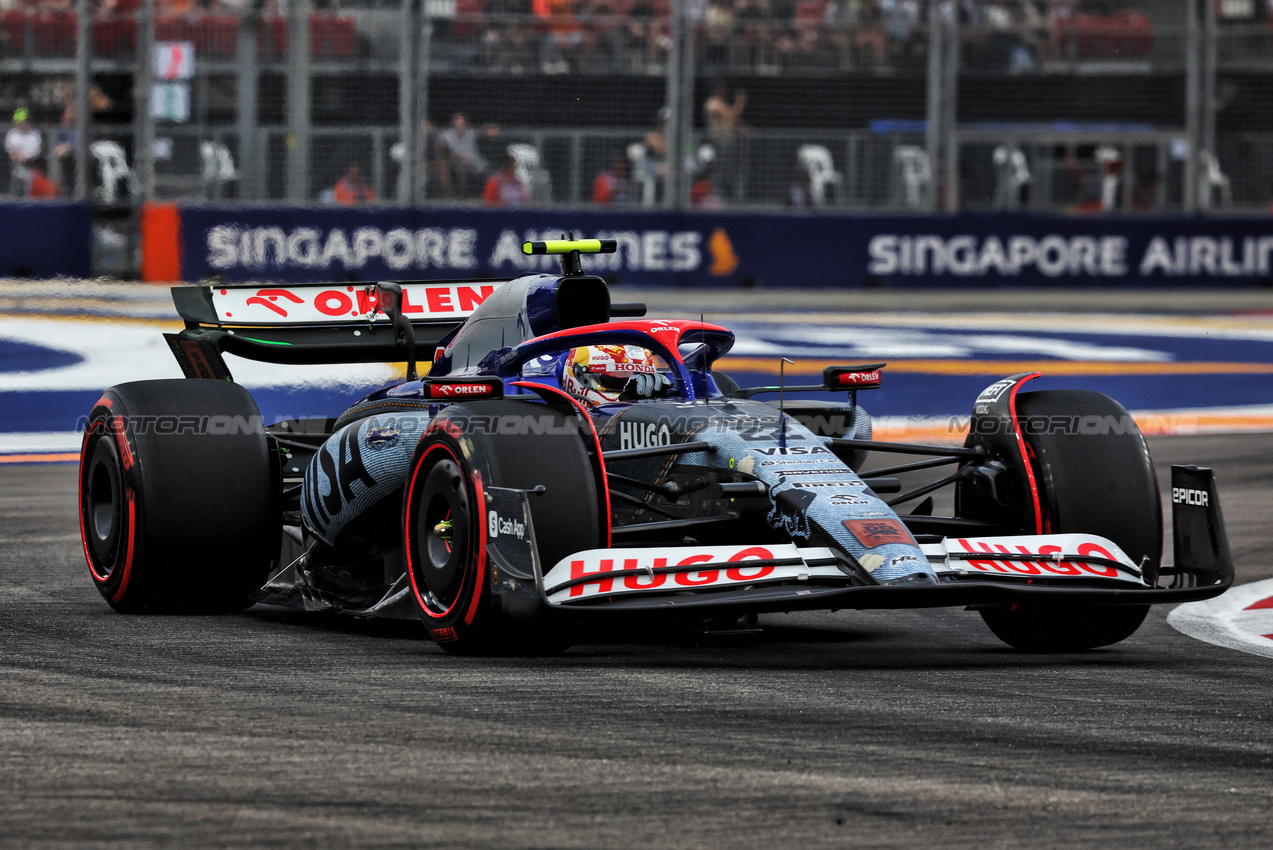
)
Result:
{"points": [[1143, 372]]}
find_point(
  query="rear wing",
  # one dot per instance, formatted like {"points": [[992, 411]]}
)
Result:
{"points": [[315, 323]]}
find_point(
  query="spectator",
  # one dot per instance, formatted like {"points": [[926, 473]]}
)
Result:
{"points": [[870, 39], [1060, 23], [755, 33], [175, 8], [1034, 24], [605, 41], [41, 187], [724, 119], [511, 48], [63, 163], [724, 126], [503, 189], [458, 156], [718, 21], [611, 185], [1086, 177], [1146, 197], [656, 140], [654, 166], [22, 144], [352, 189], [518, 53], [899, 18], [649, 35], [565, 35], [800, 191], [100, 102], [424, 157], [703, 194], [841, 17]]}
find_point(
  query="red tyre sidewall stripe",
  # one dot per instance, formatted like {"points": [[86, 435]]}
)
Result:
{"points": [[125, 450], [596, 441], [128, 558], [1025, 455], [481, 549], [409, 524], [88, 432], [480, 553]]}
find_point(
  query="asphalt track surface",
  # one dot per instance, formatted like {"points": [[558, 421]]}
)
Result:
{"points": [[864, 729]]}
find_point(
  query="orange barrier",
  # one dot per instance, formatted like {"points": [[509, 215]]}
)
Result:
{"points": [[160, 243]]}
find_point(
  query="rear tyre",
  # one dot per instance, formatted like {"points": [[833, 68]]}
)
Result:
{"points": [[178, 497], [445, 520], [1095, 477]]}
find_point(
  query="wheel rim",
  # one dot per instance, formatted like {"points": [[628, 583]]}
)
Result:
{"points": [[443, 526], [103, 505]]}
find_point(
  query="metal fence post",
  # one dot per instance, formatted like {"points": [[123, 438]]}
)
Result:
{"points": [[686, 106], [143, 92], [246, 104], [673, 190], [425, 30], [950, 106], [1209, 96], [406, 102], [298, 97], [576, 168], [935, 104], [1193, 104], [83, 82]]}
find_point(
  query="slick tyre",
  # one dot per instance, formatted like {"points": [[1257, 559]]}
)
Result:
{"points": [[445, 520], [1094, 475], [178, 497]]}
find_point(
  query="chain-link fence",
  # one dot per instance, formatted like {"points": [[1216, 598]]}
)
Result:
{"points": [[1042, 105]]}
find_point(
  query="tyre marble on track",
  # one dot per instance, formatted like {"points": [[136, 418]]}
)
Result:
{"points": [[870, 728]]}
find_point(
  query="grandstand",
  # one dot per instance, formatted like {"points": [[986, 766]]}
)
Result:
{"points": [[1038, 105]]}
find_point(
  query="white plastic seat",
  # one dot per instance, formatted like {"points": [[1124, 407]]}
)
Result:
{"points": [[819, 165], [530, 173], [915, 172], [643, 174], [112, 167]]}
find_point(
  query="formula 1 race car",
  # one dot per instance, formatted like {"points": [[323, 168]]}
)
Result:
{"points": [[565, 461]]}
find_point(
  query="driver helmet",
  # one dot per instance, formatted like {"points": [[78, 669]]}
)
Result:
{"points": [[597, 374]]}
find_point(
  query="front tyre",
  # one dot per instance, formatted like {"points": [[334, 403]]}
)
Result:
{"points": [[445, 519], [444, 535], [1094, 475]]}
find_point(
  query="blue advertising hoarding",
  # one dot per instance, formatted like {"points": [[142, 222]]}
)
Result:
{"points": [[729, 249], [45, 239]]}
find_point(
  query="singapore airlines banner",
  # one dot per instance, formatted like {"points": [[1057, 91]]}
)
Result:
{"points": [[724, 249]]}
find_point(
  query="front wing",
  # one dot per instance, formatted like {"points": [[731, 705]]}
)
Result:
{"points": [[1053, 569]]}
